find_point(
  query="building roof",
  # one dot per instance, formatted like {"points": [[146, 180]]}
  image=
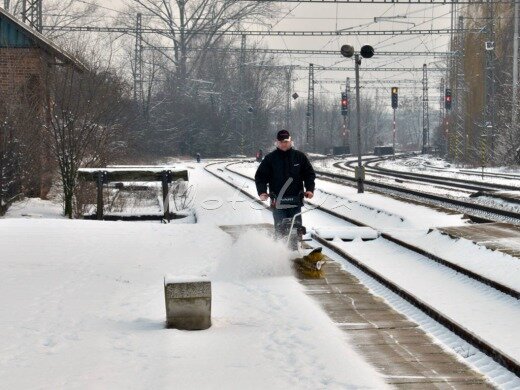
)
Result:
{"points": [[14, 33]]}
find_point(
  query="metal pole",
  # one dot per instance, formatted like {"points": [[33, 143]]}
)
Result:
{"points": [[514, 111], [25, 17], [39, 16], [349, 115], [344, 130], [441, 109], [447, 134], [458, 112], [288, 98], [313, 114], [311, 141], [138, 61], [32, 14], [239, 128], [489, 125], [393, 134], [426, 119], [376, 119], [360, 170]]}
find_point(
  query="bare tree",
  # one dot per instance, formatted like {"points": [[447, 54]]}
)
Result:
{"points": [[197, 24], [84, 121]]}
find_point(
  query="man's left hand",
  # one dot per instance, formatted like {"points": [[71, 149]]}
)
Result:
{"points": [[308, 194]]}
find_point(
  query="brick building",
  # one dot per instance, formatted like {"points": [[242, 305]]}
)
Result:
{"points": [[26, 60], [26, 55]]}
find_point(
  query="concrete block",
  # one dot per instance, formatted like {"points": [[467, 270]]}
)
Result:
{"points": [[188, 302]]}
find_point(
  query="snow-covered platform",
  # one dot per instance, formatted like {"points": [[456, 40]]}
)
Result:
{"points": [[397, 347], [502, 237]]}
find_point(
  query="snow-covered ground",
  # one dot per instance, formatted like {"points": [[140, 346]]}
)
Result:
{"points": [[83, 306]]}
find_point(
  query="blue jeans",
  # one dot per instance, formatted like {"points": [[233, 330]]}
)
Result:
{"points": [[279, 214]]}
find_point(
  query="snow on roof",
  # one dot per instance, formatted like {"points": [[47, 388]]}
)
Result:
{"points": [[173, 279], [43, 42], [154, 169]]}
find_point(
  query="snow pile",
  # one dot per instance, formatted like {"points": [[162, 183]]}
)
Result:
{"points": [[254, 255], [348, 233]]}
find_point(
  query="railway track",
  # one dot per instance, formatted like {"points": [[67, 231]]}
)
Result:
{"points": [[479, 343], [372, 166], [477, 173], [475, 211]]}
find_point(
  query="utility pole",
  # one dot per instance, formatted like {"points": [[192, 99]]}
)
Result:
{"points": [[32, 14], [489, 103], [344, 113], [395, 103], [426, 118], [514, 111], [451, 75], [376, 119], [347, 89], [394, 133], [443, 120], [239, 106], [138, 62], [311, 136], [360, 172], [441, 103], [288, 82], [459, 135]]}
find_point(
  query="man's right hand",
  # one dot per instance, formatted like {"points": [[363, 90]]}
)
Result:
{"points": [[264, 196]]}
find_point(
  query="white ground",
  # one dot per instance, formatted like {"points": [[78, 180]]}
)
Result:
{"points": [[82, 301], [82, 305]]}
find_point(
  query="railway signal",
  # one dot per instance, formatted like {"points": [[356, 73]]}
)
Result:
{"points": [[395, 91], [344, 104], [447, 99]]}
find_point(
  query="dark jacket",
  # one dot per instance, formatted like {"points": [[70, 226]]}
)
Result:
{"points": [[278, 166]]}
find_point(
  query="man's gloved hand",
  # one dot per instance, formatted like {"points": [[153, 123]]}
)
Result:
{"points": [[308, 194], [264, 196]]}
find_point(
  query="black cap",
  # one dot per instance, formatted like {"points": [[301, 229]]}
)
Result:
{"points": [[283, 135]]}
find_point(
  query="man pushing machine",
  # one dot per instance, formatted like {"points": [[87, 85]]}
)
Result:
{"points": [[290, 177]]}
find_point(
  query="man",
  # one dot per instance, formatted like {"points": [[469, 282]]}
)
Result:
{"points": [[259, 155], [286, 171]]}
